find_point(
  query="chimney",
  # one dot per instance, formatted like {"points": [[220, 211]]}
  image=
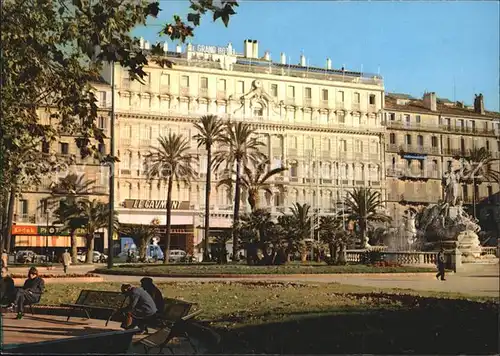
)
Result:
{"points": [[247, 48], [178, 49], [430, 101], [141, 42], [479, 104], [302, 60], [165, 46], [146, 45], [283, 58], [189, 47], [328, 63], [267, 56], [229, 49], [255, 50]]}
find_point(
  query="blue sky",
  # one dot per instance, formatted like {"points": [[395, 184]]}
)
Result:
{"points": [[451, 48]]}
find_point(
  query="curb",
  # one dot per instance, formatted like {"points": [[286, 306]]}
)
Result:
{"points": [[55, 280], [263, 276]]}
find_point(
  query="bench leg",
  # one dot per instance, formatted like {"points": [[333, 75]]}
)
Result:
{"points": [[87, 313], [31, 309], [107, 320]]}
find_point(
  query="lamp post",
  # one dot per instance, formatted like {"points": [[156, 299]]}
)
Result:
{"points": [[111, 170]]}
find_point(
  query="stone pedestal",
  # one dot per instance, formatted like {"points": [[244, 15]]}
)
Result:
{"points": [[468, 244]]}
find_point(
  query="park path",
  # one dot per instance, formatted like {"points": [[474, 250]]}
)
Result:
{"points": [[473, 279]]}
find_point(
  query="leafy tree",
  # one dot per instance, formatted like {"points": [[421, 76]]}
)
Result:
{"points": [[51, 52], [71, 217], [332, 233], [238, 146], [95, 216], [171, 162], [142, 236], [255, 179], [210, 130], [364, 206], [256, 232]]}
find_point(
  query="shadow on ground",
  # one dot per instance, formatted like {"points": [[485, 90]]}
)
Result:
{"points": [[430, 326]]}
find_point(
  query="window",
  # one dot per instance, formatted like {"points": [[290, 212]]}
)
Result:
{"points": [[221, 85], [372, 99], [420, 140], [447, 122], [340, 96], [102, 98], [473, 125], [490, 190], [393, 116], [434, 141], [357, 98], [421, 165], [184, 81], [274, 90], [293, 170], [204, 83], [462, 144], [164, 80], [258, 112], [23, 207], [324, 94], [485, 124], [487, 145], [461, 123], [341, 117], [434, 166], [290, 91], [64, 148], [407, 119], [408, 139], [343, 145], [392, 138], [417, 119], [101, 122], [45, 147], [307, 93], [359, 146], [240, 86]]}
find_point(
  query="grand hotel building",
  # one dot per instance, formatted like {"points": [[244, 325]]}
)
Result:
{"points": [[326, 125]]}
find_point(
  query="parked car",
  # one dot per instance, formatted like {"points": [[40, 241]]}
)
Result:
{"points": [[98, 257], [26, 256], [176, 256]]}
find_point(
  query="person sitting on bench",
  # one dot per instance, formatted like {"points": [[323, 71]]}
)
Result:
{"points": [[30, 293], [140, 309], [7, 289], [148, 285]]}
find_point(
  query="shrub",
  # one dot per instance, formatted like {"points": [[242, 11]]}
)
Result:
{"points": [[372, 257]]}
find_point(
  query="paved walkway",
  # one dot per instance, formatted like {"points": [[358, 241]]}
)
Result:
{"points": [[474, 279], [36, 328]]}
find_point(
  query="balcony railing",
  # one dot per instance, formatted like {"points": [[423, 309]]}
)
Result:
{"points": [[446, 128], [307, 102]]}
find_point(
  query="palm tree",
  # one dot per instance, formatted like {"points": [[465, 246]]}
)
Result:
{"points": [[255, 180], [480, 169], [210, 129], [239, 145], [95, 215], [299, 226], [171, 161], [67, 192], [332, 233], [364, 206], [257, 228], [141, 234]]}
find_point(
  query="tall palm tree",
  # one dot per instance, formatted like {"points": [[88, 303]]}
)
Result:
{"points": [[302, 224], [141, 234], [68, 191], [95, 215], [479, 169], [171, 161], [364, 205], [210, 130], [238, 146], [254, 180]]}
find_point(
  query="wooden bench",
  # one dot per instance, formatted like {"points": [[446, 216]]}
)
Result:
{"points": [[97, 300], [162, 337]]}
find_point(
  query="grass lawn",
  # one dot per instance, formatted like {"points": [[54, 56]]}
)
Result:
{"points": [[255, 317], [201, 270]]}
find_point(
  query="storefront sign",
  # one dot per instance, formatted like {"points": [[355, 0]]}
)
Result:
{"points": [[43, 230], [422, 157], [211, 49], [154, 204]]}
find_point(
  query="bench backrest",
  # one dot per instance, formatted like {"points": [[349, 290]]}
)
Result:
{"points": [[99, 298], [175, 309]]}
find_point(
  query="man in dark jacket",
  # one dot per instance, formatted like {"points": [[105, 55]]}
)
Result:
{"points": [[441, 260], [31, 292], [7, 289], [148, 285], [140, 309]]}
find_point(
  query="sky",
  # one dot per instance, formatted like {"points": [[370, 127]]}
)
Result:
{"points": [[449, 47]]}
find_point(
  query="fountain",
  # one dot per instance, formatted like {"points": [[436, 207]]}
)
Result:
{"points": [[447, 224]]}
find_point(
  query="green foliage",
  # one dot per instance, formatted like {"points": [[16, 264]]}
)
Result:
{"points": [[372, 257], [479, 167]]}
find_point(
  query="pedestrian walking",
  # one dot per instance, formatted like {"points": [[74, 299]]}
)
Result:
{"points": [[440, 264], [5, 258], [66, 260]]}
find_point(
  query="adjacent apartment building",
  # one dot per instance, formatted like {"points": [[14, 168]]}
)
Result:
{"points": [[426, 138]]}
